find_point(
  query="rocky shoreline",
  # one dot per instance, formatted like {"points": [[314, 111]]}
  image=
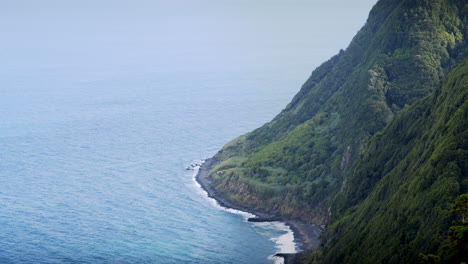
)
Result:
{"points": [[307, 234]]}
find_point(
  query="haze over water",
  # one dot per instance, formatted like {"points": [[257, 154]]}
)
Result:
{"points": [[104, 103]]}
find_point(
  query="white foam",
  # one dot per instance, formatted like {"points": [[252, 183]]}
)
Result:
{"points": [[276, 260], [245, 215], [284, 243]]}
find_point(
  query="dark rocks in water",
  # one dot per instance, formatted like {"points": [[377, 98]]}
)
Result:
{"points": [[260, 219], [194, 165], [197, 164]]}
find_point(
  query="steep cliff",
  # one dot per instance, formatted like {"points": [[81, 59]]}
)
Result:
{"points": [[295, 164], [397, 202], [372, 145]]}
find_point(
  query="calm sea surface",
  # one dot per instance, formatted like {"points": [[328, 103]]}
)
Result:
{"points": [[92, 168]]}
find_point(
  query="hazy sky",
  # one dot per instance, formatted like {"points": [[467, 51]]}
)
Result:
{"points": [[125, 35]]}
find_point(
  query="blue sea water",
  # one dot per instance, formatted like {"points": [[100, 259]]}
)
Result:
{"points": [[92, 168]]}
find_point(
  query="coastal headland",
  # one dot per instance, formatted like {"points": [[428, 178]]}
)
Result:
{"points": [[308, 235]]}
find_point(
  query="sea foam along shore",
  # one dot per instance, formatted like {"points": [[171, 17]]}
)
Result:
{"points": [[285, 243], [307, 234]]}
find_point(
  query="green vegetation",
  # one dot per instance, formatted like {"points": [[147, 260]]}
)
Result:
{"points": [[374, 144], [456, 251], [395, 203]]}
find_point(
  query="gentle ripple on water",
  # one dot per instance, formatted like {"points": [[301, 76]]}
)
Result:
{"points": [[101, 179]]}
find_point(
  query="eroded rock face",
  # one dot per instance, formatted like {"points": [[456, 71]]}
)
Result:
{"points": [[345, 158]]}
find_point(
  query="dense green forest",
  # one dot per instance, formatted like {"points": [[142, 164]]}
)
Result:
{"points": [[456, 248], [397, 201], [374, 145]]}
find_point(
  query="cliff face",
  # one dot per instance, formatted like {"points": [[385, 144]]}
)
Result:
{"points": [[396, 203], [327, 156], [295, 164]]}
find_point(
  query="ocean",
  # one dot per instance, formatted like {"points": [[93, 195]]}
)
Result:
{"points": [[94, 171], [103, 106]]}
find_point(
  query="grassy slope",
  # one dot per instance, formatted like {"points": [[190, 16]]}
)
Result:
{"points": [[297, 163], [396, 203]]}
